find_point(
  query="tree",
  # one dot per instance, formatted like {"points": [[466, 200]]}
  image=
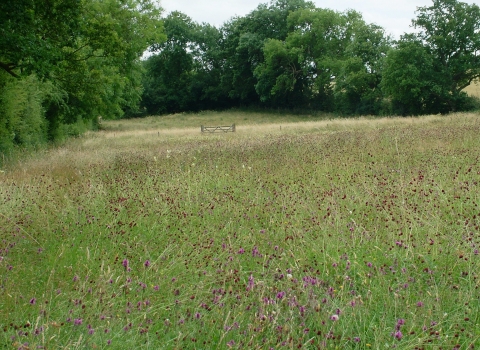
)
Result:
{"points": [[304, 67], [437, 63], [84, 56], [357, 85], [410, 79], [243, 45], [170, 71]]}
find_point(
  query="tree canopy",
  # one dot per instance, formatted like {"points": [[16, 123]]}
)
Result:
{"points": [[291, 54], [427, 71], [81, 60]]}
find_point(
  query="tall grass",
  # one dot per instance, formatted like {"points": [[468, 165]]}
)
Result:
{"points": [[346, 234]]}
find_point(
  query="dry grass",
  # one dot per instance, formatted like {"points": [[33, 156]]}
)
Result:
{"points": [[160, 135]]}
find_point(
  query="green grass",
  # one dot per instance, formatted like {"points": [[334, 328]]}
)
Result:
{"points": [[348, 234]]}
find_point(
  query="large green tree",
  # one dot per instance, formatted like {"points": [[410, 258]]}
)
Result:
{"points": [[243, 45], [83, 55], [428, 70]]}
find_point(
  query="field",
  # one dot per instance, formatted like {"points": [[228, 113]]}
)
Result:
{"points": [[293, 232]]}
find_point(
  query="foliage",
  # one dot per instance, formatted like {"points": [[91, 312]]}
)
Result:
{"points": [[83, 56], [244, 41], [427, 71]]}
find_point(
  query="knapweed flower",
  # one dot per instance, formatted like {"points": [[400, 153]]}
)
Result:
{"points": [[419, 304], [77, 321], [400, 323], [33, 301], [125, 263], [147, 263], [251, 283], [334, 317], [398, 335]]}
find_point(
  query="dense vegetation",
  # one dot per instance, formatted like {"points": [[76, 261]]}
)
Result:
{"points": [[343, 234], [64, 63], [289, 54]]}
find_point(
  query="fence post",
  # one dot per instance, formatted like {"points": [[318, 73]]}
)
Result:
{"points": [[233, 127]]}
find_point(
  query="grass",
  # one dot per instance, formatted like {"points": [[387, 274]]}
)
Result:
{"points": [[348, 234]]}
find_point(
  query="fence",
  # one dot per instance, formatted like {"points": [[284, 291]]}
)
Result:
{"points": [[230, 128]]}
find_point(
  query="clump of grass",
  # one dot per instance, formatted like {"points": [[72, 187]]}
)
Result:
{"points": [[348, 234]]}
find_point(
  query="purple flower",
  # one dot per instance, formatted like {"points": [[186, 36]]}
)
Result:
{"points": [[256, 252], [125, 263], [369, 264], [334, 317], [280, 295], [356, 339], [147, 263], [400, 323], [241, 251], [251, 283], [419, 304], [156, 288], [398, 335], [77, 321], [33, 301]]}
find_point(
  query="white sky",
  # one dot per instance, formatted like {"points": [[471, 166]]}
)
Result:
{"points": [[394, 16]]}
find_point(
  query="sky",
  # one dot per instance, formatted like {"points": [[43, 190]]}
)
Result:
{"points": [[394, 16]]}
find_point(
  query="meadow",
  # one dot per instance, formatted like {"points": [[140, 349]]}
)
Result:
{"points": [[293, 232]]}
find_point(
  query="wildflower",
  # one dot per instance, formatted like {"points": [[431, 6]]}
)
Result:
{"points": [[33, 301], [156, 288], [147, 263], [398, 335], [256, 252], [77, 321], [125, 263], [356, 339], [400, 322], [419, 304], [280, 295], [334, 317], [251, 283]]}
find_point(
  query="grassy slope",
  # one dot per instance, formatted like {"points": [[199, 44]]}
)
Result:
{"points": [[351, 233]]}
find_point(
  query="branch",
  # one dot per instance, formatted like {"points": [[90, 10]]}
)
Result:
{"points": [[8, 68]]}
